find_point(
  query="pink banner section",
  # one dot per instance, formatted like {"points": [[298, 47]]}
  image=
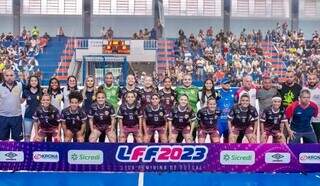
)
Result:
{"points": [[159, 157]]}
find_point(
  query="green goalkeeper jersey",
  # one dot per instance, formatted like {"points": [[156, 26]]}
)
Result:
{"points": [[112, 95], [193, 94]]}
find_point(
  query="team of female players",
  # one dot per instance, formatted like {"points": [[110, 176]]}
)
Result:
{"points": [[91, 114]]}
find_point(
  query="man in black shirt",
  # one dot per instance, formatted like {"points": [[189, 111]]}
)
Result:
{"points": [[290, 90], [289, 93]]}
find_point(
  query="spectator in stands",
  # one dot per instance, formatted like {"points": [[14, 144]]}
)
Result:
{"points": [[35, 32], [140, 34], [110, 34], [60, 33], [153, 34], [46, 36], [10, 107], [135, 36], [146, 34], [103, 33], [210, 32]]}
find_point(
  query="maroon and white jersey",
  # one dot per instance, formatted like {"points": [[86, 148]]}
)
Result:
{"points": [[208, 119], [271, 119], [73, 119], [167, 99], [243, 118], [155, 117], [47, 118], [130, 115], [146, 97], [181, 118], [101, 115]]}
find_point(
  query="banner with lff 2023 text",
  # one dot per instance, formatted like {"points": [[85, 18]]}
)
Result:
{"points": [[159, 157]]}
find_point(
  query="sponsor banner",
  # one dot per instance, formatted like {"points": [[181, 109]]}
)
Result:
{"points": [[159, 158], [237, 157], [310, 158], [11, 156], [45, 156], [85, 157], [277, 157]]}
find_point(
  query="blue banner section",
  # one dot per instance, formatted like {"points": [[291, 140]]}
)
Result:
{"points": [[159, 157]]}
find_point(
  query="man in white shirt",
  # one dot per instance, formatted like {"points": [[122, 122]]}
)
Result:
{"points": [[313, 86], [10, 107]]}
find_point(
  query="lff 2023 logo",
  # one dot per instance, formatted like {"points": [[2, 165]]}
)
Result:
{"points": [[163, 153]]}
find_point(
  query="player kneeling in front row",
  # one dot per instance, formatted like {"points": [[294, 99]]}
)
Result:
{"points": [[272, 122], [243, 118], [181, 119], [102, 119], [155, 120], [130, 118], [73, 119], [208, 117], [46, 121]]}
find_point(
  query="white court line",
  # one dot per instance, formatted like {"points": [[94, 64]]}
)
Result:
{"points": [[141, 179]]}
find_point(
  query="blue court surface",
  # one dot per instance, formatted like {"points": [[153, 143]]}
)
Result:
{"points": [[158, 179]]}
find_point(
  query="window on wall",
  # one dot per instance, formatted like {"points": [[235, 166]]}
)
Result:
{"points": [[260, 8], [192, 7], [122, 7], [52, 7], [5, 6], [309, 9]]}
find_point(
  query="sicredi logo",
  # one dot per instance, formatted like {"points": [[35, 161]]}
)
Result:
{"points": [[309, 158], [11, 156], [229, 157], [85, 157], [277, 157], [45, 156]]}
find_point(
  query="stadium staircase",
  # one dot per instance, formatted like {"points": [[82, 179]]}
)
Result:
{"points": [[65, 60], [165, 52], [50, 58], [272, 56]]}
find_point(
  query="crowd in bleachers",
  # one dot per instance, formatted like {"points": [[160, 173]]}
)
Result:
{"points": [[210, 55], [20, 52], [206, 55]]}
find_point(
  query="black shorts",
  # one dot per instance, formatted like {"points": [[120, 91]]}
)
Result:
{"points": [[13, 125]]}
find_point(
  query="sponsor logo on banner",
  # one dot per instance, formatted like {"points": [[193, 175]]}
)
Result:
{"points": [[45, 156], [277, 157], [11, 156], [235, 157], [309, 158], [85, 157], [163, 153]]}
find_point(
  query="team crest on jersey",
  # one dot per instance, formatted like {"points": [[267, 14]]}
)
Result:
{"points": [[15, 91], [59, 97], [106, 112], [161, 114], [186, 116]]}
